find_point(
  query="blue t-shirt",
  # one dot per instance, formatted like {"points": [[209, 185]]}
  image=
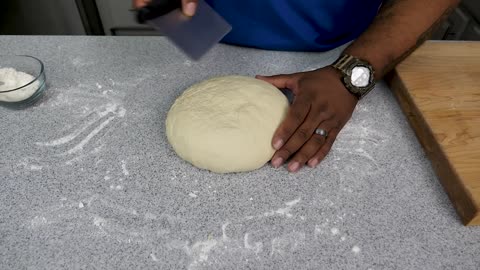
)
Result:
{"points": [[295, 25]]}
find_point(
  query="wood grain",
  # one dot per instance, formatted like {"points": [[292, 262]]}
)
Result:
{"points": [[438, 88]]}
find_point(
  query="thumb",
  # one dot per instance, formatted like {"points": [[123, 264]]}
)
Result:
{"points": [[281, 81], [189, 7]]}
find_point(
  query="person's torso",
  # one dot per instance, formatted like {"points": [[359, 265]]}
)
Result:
{"points": [[295, 25]]}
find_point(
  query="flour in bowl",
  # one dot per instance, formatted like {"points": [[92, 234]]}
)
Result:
{"points": [[10, 79]]}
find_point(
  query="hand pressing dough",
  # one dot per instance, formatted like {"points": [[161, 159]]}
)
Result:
{"points": [[226, 124]]}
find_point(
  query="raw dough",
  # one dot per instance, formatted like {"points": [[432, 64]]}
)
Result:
{"points": [[226, 124]]}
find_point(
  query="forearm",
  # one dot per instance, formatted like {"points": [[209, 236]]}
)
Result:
{"points": [[399, 28]]}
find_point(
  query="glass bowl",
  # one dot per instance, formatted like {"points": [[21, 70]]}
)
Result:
{"points": [[22, 80]]}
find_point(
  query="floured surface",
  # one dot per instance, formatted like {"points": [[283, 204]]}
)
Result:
{"points": [[88, 180]]}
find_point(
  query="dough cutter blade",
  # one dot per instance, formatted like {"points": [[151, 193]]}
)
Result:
{"points": [[195, 35]]}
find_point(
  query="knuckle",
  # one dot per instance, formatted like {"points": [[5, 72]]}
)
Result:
{"points": [[303, 134], [281, 133], [301, 157], [286, 152], [321, 155], [304, 82], [329, 115], [333, 137], [337, 123], [324, 115], [297, 117], [319, 140], [324, 150], [328, 145]]}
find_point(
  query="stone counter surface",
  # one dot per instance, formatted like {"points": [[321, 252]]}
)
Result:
{"points": [[89, 181]]}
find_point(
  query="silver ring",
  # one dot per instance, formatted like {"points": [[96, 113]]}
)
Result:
{"points": [[321, 132]]}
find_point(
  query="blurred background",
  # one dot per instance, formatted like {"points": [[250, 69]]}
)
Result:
{"points": [[114, 17]]}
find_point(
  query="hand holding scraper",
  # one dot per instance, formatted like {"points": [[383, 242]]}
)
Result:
{"points": [[194, 35]]}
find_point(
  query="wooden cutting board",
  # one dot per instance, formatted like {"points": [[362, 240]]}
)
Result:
{"points": [[438, 88]]}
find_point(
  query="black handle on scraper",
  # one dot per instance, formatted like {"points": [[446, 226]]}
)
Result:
{"points": [[157, 8]]}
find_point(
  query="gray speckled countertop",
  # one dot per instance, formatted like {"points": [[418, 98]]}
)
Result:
{"points": [[88, 180]]}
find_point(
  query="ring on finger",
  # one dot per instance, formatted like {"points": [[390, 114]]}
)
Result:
{"points": [[322, 132]]}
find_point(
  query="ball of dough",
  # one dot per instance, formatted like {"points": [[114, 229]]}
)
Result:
{"points": [[226, 124]]}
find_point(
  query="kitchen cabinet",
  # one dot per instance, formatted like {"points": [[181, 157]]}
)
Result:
{"points": [[458, 22], [472, 32], [474, 7], [462, 23], [118, 19], [40, 17]]}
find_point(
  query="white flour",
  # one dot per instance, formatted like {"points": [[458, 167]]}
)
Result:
{"points": [[356, 249], [10, 79]]}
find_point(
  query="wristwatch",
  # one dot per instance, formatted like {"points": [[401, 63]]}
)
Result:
{"points": [[358, 75]]}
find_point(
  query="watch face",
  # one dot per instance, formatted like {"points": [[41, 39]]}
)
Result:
{"points": [[360, 76]]}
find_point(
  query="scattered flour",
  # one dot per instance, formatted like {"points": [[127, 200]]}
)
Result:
{"points": [[283, 211], [150, 216], [124, 168], [80, 146], [35, 167], [38, 221], [118, 187], [11, 79], [201, 249], [154, 258], [355, 249], [99, 221], [334, 231], [257, 247]]}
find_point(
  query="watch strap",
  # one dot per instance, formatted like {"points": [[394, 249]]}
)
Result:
{"points": [[343, 62]]}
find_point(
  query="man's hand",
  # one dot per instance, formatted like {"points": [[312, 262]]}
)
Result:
{"points": [[321, 101], [188, 6]]}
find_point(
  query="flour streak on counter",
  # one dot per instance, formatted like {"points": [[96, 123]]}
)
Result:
{"points": [[69, 137], [82, 143], [124, 168], [283, 211], [36, 167], [112, 220], [94, 126], [38, 221], [157, 230], [80, 62], [257, 247]]}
